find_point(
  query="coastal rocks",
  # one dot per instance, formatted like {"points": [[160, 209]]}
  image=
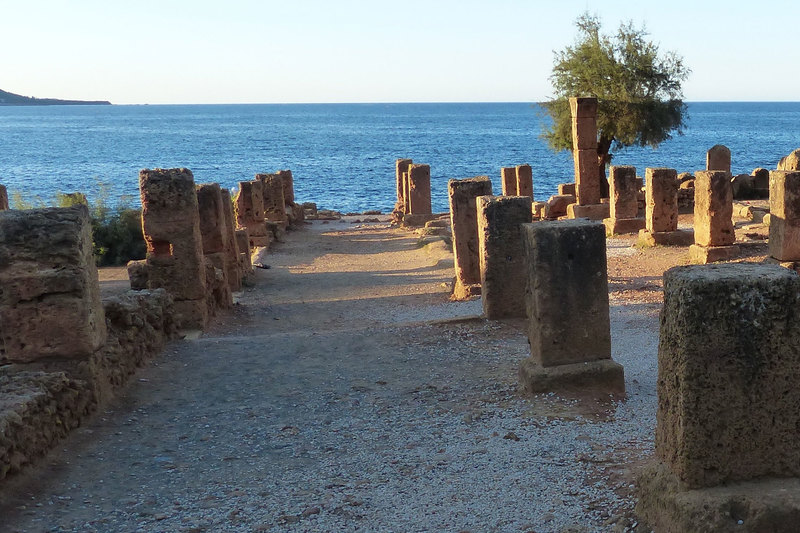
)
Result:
{"points": [[50, 297]]}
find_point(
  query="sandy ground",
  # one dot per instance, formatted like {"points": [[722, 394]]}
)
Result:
{"points": [[345, 392]]}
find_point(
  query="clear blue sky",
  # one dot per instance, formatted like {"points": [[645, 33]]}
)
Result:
{"points": [[198, 51]]}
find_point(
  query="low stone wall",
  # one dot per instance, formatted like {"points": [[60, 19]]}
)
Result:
{"points": [[41, 402]]}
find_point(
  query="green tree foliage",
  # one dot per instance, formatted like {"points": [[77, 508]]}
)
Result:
{"points": [[638, 90]]}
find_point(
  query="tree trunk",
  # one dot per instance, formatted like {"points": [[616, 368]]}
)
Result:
{"points": [[603, 160]]}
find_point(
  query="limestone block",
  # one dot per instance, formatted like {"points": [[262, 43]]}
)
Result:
{"points": [[171, 225], [557, 205], [406, 194], [587, 177], [219, 289], [419, 189], [212, 219], [703, 255], [138, 274], [661, 199], [464, 223], [567, 292], [623, 190], [232, 269], [621, 226], [566, 188], [274, 201], [249, 209], [243, 245], [539, 210], [784, 221], [743, 187], [502, 260], [713, 209], [678, 237], [761, 182], [583, 107], [287, 180], [718, 158], [592, 211], [524, 176], [508, 180], [49, 291], [791, 161], [584, 133], [3, 198], [728, 368], [401, 167]]}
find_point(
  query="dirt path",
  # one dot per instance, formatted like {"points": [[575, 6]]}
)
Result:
{"points": [[346, 393]]}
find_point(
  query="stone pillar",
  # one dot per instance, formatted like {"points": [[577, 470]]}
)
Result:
{"points": [[249, 208], [623, 201], [50, 298], [661, 210], [508, 181], [406, 194], [232, 269], [584, 150], [214, 235], [713, 222], [401, 167], [243, 245], [287, 181], [274, 202], [419, 189], [501, 256], [464, 223], [171, 227], [718, 158], [3, 198], [727, 420], [784, 208], [524, 177], [567, 306]]}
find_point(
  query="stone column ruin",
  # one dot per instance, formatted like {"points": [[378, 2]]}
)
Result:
{"points": [[401, 168], [623, 202], [508, 181], [727, 420], [713, 223], [718, 157], [249, 208], [273, 199], [215, 242], [419, 189], [784, 208], [567, 307], [294, 212], [464, 224], [661, 210], [232, 269], [584, 153], [501, 254], [171, 227], [524, 178], [243, 245], [50, 299]]}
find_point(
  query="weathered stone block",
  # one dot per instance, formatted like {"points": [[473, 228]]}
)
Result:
{"points": [[232, 270], [274, 201], [622, 226], [508, 181], [212, 219], [703, 255], [661, 199], [784, 207], [791, 161], [401, 167], [584, 133], [524, 180], [243, 245], [728, 368], [464, 223], [3, 198], [138, 274], [502, 257], [287, 181], [718, 157], [49, 290], [566, 189], [622, 184], [587, 177], [591, 211], [557, 205], [406, 194], [583, 107], [665, 238], [249, 209], [713, 209], [419, 189]]}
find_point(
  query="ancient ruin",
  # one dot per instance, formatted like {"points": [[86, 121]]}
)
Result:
{"points": [[784, 209], [50, 298], [273, 199], [249, 208], [713, 223], [508, 181], [661, 210], [624, 202], [243, 245], [294, 211], [419, 189], [171, 226], [501, 254], [524, 178], [727, 420], [401, 169], [718, 157], [567, 308], [3, 198], [464, 224], [214, 233], [232, 269], [588, 189]]}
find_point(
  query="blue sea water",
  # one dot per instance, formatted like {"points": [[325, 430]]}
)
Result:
{"points": [[342, 155]]}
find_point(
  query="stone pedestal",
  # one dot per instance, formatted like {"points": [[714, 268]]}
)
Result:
{"points": [[419, 189], [661, 210], [718, 157], [784, 207], [464, 224], [502, 259], [249, 209], [584, 150], [214, 234], [49, 293], [524, 175], [567, 307], [623, 202], [665, 238], [727, 420], [713, 217], [401, 167], [3, 198], [508, 181], [592, 212], [273, 199]]}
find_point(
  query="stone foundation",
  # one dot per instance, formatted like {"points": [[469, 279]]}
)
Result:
{"points": [[665, 238], [589, 211], [703, 255]]}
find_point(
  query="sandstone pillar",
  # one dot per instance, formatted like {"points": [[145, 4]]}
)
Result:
{"points": [[524, 178], [501, 255], [232, 269], [214, 235], [728, 368], [784, 208], [718, 157], [661, 210], [294, 212], [567, 307], [274, 201], [584, 150], [243, 245], [406, 194], [508, 181], [464, 224], [249, 208], [623, 200], [419, 189], [713, 212], [401, 167], [171, 227], [50, 296], [3, 198]]}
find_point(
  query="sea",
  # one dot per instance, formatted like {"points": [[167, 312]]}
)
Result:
{"points": [[342, 156]]}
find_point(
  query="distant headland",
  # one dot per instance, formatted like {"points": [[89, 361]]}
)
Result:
{"points": [[7, 98]]}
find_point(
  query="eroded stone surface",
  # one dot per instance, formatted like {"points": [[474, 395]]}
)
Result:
{"points": [[419, 189], [718, 157], [3, 198], [232, 270], [508, 181], [464, 223], [273, 199], [661, 199], [249, 208], [623, 190], [790, 162], [713, 208], [524, 176], [784, 208], [401, 167]]}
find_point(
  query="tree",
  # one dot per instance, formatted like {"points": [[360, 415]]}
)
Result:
{"points": [[638, 91]]}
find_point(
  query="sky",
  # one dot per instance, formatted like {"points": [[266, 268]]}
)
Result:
{"points": [[297, 51]]}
